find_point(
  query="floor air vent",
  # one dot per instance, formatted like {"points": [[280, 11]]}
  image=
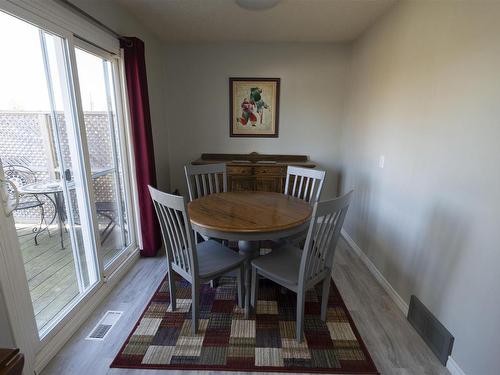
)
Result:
{"points": [[435, 334], [102, 328]]}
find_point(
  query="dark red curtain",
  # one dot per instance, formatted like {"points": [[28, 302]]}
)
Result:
{"points": [[137, 90]]}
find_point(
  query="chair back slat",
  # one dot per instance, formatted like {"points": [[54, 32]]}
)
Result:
{"points": [[306, 187], [205, 179], [179, 239], [178, 247], [198, 187], [300, 191], [165, 228], [210, 183], [176, 230], [217, 185], [322, 237], [304, 183], [295, 178], [183, 241]]}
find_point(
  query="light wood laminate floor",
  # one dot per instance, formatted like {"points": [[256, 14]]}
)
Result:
{"points": [[393, 344]]}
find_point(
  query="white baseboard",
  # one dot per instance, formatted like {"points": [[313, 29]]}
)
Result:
{"points": [[398, 300], [453, 367], [52, 347]]}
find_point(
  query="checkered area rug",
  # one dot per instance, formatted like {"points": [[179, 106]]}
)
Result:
{"points": [[226, 341]]}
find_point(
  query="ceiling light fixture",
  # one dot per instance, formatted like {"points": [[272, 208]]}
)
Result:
{"points": [[257, 4]]}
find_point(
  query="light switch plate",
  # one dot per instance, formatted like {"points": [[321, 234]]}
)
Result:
{"points": [[381, 161]]}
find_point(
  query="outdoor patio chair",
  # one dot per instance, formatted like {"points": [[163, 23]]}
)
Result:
{"points": [[22, 175]]}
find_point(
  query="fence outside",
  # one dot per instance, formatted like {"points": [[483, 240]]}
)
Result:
{"points": [[28, 136]]}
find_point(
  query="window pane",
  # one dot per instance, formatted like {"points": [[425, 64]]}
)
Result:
{"points": [[40, 154], [95, 75]]}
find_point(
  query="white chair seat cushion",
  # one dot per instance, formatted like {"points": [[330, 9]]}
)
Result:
{"points": [[282, 265], [214, 258]]}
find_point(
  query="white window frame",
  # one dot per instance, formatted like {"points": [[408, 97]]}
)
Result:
{"points": [[54, 16], [82, 170]]}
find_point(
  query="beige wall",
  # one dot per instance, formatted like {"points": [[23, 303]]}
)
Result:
{"points": [[6, 338], [312, 91], [117, 18], [425, 93]]}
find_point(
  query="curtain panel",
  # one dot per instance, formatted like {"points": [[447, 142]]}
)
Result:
{"points": [[137, 91]]}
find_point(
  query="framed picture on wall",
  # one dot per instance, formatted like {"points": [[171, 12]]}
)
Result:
{"points": [[254, 107]]}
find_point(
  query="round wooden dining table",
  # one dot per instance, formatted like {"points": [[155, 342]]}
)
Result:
{"points": [[249, 217]]}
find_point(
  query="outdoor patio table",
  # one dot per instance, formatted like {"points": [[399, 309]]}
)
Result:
{"points": [[50, 188], [54, 188], [249, 217]]}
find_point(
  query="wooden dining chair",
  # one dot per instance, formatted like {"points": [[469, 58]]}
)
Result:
{"points": [[196, 263], [304, 183], [301, 270], [205, 179]]}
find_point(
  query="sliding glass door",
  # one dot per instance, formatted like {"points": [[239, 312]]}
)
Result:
{"points": [[102, 122], [63, 166], [40, 151]]}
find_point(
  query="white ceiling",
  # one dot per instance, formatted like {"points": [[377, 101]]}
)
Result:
{"points": [[289, 21]]}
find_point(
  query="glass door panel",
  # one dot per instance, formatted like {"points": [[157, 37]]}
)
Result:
{"points": [[41, 153], [95, 76]]}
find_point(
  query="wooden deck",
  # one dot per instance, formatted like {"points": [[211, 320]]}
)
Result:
{"points": [[50, 270]]}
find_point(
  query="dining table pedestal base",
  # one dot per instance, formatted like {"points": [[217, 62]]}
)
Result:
{"points": [[251, 250]]}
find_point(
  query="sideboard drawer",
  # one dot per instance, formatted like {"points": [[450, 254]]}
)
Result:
{"points": [[270, 171], [241, 183], [240, 171]]}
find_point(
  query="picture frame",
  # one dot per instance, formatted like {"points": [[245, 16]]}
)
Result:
{"points": [[254, 107]]}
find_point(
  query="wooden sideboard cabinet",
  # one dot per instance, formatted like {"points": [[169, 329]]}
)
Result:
{"points": [[11, 362], [256, 172]]}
